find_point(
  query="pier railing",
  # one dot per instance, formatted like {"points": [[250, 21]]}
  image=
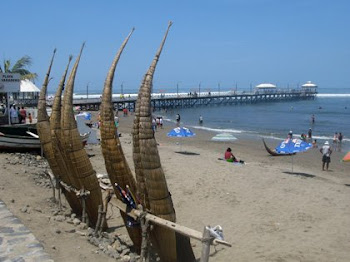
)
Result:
{"points": [[182, 100]]}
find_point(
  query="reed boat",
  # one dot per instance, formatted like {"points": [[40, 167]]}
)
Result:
{"points": [[272, 152]]}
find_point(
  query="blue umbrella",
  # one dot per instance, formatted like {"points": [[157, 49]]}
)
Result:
{"points": [[181, 132], [291, 146]]}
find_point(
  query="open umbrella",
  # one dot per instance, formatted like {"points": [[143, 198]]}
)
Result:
{"points": [[291, 146], [346, 158], [224, 137], [181, 132]]}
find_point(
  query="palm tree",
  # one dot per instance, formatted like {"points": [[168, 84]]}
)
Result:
{"points": [[20, 68]]}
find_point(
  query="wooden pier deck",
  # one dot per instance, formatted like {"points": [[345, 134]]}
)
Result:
{"points": [[173, 100]]}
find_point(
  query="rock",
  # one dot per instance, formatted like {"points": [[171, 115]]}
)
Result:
{"points": [[83, 226], [76, 221], [55, 212], [38, 158], [80, 233], [72, 216], [71, 230], [125, 252], [57, 231], [115, 255], [60, 218], [125, 258], [38, 210], [12, 201], [24, 209], [53, 247], [90, 231]]}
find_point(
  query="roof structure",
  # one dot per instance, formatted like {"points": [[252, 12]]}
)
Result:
{"points": [[309, 85], [265, 85], [28, 86]]}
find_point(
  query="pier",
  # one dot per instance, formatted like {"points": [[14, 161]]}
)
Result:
{"points": [[183, 100]]}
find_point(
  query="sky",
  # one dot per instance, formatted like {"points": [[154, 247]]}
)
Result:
{"points": [[223, 42]]}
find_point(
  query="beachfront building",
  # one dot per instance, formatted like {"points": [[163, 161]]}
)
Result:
{"points": [[265, 88], [309, 87], [28, 95]]}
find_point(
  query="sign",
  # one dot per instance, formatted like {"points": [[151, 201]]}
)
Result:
{"points": [[10, 83]]}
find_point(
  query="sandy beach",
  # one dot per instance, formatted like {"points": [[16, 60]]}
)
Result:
{"points": [[267, 212]]}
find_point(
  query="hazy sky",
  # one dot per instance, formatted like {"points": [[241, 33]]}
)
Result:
{"points": [[237, 41]]}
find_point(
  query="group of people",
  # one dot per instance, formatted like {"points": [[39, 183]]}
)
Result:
{"points": [[157, 122], [18, 115]]}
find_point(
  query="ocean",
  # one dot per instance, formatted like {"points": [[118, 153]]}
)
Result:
{"points": [[274, 120]]}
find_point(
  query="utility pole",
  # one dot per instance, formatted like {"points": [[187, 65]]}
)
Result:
{"points": [[87, 91], [122, 88], [219, 88], [199, 89], [177, 89]]}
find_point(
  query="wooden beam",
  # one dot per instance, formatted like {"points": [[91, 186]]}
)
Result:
{"points": [[134, 213]]}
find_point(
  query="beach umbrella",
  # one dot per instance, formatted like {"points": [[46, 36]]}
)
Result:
{"points": [[346, 158], [292, 146], [181, 132], [224, 137]]}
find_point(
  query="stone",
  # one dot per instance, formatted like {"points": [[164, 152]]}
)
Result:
{"points": [[125, 252], [57, 231], [76, 221], [24, 209], [83, 226], [37, 209], [53, 247], [38, 158], [73, 216], [125, 258], [70, 230], [12, 201], [60, 218]]}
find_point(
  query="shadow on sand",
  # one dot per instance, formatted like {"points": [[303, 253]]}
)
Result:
{"points": [[300, 174], [187, 153]]}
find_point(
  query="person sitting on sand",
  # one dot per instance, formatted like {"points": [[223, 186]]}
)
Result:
{"points": [[229, 157]]}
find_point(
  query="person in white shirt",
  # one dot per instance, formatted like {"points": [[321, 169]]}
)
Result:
{"points": [[326, 155], [14, 115]]}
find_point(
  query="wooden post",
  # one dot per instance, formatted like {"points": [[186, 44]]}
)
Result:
{"points": [[207, 241], [98, 219]]}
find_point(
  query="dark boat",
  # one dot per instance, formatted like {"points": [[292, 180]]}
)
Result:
{"points": [[19, 137], [273, 152], [24, 137]]}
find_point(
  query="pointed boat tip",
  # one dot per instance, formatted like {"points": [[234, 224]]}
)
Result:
{"points": [[170, 23], [54, 51], [70, 58]]}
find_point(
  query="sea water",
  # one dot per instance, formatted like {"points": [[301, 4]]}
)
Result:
{"points": [[331, 109]]}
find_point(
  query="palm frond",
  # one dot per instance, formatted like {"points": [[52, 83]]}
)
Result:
{"points": [[7, 65], [29, 76], [23, 62]]}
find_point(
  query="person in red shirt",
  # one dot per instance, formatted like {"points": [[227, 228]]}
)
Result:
{"points": [[229, 157]]}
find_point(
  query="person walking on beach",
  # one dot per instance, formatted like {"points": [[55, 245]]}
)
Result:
{"points": [[178, 119], [13, 115], [309, 133], [326, 155], [200, 120]]}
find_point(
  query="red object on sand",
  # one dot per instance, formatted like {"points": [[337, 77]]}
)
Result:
{"points": [[346, 158]]}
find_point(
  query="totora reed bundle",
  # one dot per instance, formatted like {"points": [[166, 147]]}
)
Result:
{"points": [[55, 129], [43, 128], [117, 167], [158, 196], [80, 164]]}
